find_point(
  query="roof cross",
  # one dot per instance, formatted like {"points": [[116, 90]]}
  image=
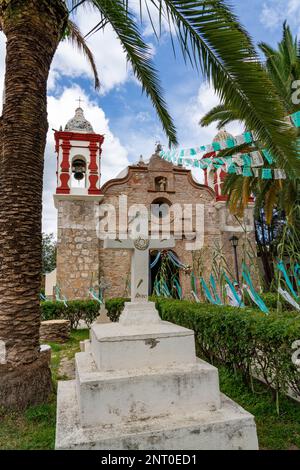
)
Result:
{"points": [[79, 101]]}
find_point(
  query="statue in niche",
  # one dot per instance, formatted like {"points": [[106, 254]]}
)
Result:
{"points": [[161, 184]]}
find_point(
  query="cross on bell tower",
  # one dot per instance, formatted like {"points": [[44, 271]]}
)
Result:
{"points": [[79, 101]]}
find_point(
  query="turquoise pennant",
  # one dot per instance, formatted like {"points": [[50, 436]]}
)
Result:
{"points": [[259, 301], [297, 274], [247, 159], [230, 143], [207, 292], [216, 146], [296, 119], [248, 137], [266, 174], [268, 156], [231, 286], [214, 290], [247, 171], [281, 267], [232, 169], [193, 283]]}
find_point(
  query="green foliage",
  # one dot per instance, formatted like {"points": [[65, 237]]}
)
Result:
{"points": [[115, 307], [35, 428], [86, 310], [276, 433], [282, 66], [211, 38], [32, 429], [242, 339], [48, 252], [271, 301]]}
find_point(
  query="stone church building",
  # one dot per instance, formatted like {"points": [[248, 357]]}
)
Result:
{"points": [[82, 262]]}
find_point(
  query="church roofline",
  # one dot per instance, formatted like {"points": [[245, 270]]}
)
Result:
{"points": [[124, 179], [143, 169]]}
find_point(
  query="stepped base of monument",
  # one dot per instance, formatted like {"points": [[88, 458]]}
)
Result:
{"points": [[121, 346], [229, 428], [121, 396]]}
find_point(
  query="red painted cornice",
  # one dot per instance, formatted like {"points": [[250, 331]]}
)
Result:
{"points": [[62, 135]]}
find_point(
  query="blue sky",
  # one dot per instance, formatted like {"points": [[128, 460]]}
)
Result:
{"points": [[120, 111]]}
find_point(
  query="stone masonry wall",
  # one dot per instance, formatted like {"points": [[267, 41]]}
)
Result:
{"points": [[81, 259], [77, 248], [138, 186]]}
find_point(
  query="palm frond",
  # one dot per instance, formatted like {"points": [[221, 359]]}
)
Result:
{"points": [[221, 114], [74, 35], [138, 55], [210, 36]]}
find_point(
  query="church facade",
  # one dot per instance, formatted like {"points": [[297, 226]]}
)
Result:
{"points": [[82, 261]]}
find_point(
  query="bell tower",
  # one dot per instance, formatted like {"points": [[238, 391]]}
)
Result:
{"points": [[78, 150], [77, 198]]}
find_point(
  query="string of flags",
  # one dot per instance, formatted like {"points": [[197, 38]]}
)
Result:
{"points": [[246, 138], [245, 164]]}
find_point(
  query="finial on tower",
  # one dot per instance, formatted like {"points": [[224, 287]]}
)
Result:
{"points": [[158, 147], [79, 101]]}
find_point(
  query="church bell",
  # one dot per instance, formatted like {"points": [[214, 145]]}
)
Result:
{"points": [[78, 169]]}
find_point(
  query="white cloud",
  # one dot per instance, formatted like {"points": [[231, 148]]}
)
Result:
{"points": [[109, 56], [114, 155], [275, 12]]}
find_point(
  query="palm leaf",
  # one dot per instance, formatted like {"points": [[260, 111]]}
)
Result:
{"points": [[221, 114], [211, 37], [138, 55], [74, 35]]}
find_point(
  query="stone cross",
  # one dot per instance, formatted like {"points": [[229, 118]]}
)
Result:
{"points": [[139, 261]]}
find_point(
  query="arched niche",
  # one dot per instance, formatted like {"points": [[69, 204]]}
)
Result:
{"points": [[161, 183]]}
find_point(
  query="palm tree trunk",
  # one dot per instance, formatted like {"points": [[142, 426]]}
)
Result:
{"points": [[33, 29]]}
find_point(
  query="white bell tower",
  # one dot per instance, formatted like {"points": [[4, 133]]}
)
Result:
{"points": [[78, 150], [77, 198]]}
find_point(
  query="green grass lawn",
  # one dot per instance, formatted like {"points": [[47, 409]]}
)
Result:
{"points": [[35, 428]]}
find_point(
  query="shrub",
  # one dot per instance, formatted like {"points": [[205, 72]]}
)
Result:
{"points": [[270, 299], [243, 339], [77, 310], [115, 307]]}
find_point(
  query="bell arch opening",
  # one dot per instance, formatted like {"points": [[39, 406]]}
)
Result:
{"points": [[78, 178]]}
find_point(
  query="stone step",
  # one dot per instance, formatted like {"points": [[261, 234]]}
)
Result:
{"points": [[117, 346], [229, 428], [141, 394]]}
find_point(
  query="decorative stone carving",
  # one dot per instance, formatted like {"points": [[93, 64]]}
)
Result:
{"points": [[141, 244]]}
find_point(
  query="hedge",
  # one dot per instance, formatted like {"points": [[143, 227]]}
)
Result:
{"points": [[271, 298], [114, 307], [245, 340], [77, 310]]}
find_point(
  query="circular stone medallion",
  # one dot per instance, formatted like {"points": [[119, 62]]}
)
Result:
{"points": [[141, 243]]}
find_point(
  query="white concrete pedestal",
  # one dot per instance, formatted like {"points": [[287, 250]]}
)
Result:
{"points": [[139, 385]]}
